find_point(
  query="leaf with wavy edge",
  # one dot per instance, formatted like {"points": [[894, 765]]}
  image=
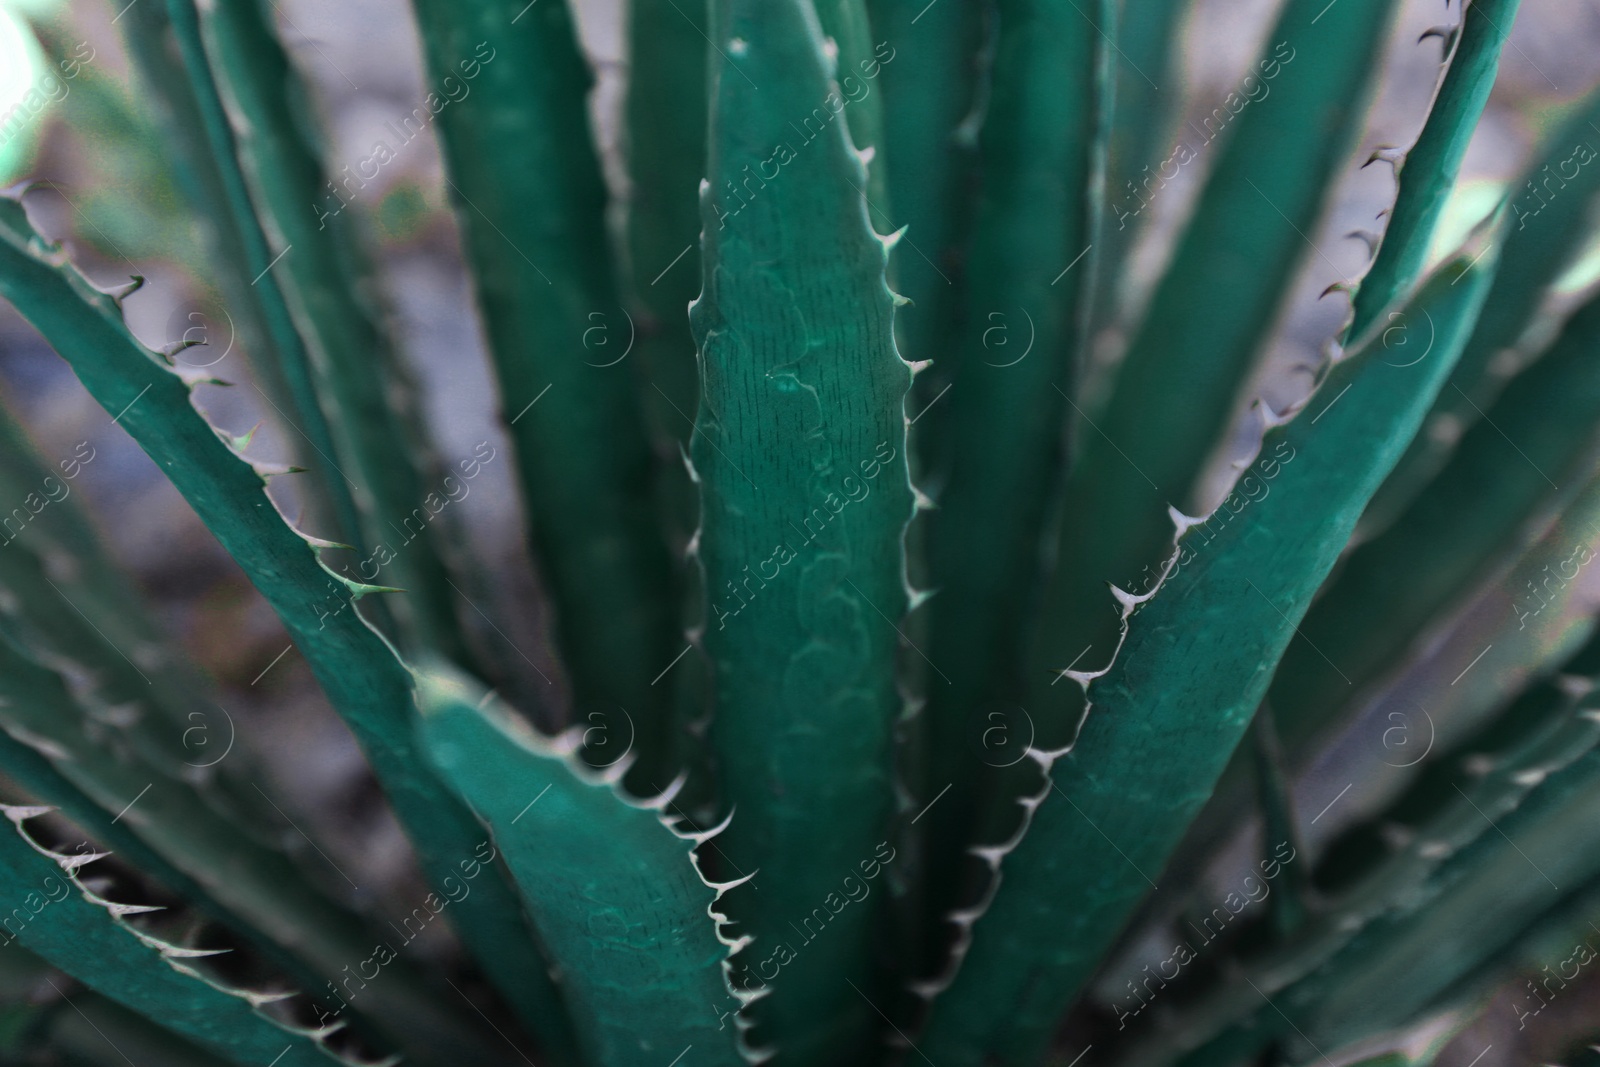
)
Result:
{"points": [[800, 451], [612, 884], [368, 399], [1184, 685], [1427, 172], [1553, 724], [254, 888], [199, 107], [1406, 960], [1506, 481], [1276, 158], [1004, 433], [530, 201], [363, 677], [1549, 228], [87, 937]]}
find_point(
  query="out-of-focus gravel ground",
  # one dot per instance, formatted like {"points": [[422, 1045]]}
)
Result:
{"points": [[361, 58]]}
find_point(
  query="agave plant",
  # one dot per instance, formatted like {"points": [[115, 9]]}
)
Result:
{"points": [[969, 710]]}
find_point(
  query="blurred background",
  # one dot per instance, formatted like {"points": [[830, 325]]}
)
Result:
{"points": [[116, 201]]}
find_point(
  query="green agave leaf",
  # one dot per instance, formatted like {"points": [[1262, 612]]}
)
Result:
{"points": [[1004, 432], [213, 159], [859, 59], [1148, 83], [1550, 205], [1428, 171], [932, 108], [88, 938], [613, 887], [98, 1031], [71, 598], [1458, 799], [1296, 897], [1542, 852], [316, 259], [800, 454], [166, 89], [1183, 687], [1511, 473], [253, 888], [666, 160], [666, 151], [530, 200], [1297, 119], [71, 604], [365, 681]]}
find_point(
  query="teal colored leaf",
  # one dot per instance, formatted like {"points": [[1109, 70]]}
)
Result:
{"points": [[800, 453], [1459, 798], [1148, 89], [1534, 858], [1278, 144], [1428, 171], [666, 151], [613, 887], [90, 939], [859, 55], [364, 392], [1504, 483], [210, 183], [364, 680], [530, 200], [1550, 205], [251, 887], [932, 105], [216, 162], [1004, 431], [1195, 662]]}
